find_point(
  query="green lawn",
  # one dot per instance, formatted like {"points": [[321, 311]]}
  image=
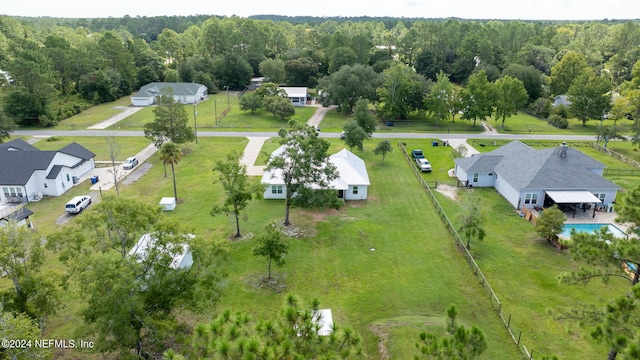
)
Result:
{"points": [[94, 114], [206, 111], [390, 294], [523, 123], [129, 146]]}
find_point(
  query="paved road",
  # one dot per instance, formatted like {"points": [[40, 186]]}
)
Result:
{"points": [[378, 135]]}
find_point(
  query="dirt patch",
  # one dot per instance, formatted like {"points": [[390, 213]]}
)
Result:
{"points": [[233, 238], [382, 336], [277, 283], [448, 191], [297, 232]]}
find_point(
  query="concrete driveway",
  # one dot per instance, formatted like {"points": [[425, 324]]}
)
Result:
{"points": [[105, 172]]}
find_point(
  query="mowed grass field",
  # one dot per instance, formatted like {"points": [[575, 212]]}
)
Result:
{"points": [[389, 295]]}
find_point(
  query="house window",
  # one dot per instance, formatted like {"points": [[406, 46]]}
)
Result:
{"points": [[19, 191], [475, 177], [45, 185], [531, 199], [5, 190], [601, 197], [355, 190], [12, 190], [276, 189], [68, 179]]}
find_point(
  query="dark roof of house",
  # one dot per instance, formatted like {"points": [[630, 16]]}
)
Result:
{"points": [[179, 89], [17, 144], [19, 214], [77, 150], [55, 170], [19, 159], [526, 168]]}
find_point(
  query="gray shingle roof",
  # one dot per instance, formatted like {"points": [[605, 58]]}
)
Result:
{"points": [[19, 159], [526, 168], [19, 215], [77, 150], [179, 89]]}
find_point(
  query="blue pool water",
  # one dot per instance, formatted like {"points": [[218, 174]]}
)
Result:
{"points": [[566, 232]]}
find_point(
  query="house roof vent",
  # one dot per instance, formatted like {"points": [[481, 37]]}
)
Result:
{"points": [[562, 150]]}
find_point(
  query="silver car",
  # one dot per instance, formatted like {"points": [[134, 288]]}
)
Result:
{"points": [[130, 163], [424, 165]]}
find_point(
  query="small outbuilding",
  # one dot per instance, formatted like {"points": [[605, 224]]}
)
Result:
{"points": [[324, 320], [181, 253], [168, 203]]}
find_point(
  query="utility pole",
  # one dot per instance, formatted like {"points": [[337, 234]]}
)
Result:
{"points": [[215, 110], [195, 123], [228, 102]]}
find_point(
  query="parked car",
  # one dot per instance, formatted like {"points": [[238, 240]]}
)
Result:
{"points": [[343, 135], [417, 154], [424, 165], [77, 204], [130, 163]]}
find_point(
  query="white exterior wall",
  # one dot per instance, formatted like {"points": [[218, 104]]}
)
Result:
{"points": [[142, 101], [268, 193], [84, 168], [3, 198], [507, 191], [523, 194], [609, 198], [484, 180], [361, 195], [460, 173]]}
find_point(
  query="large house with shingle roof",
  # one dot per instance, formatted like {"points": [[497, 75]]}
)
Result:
{"points": [[28, 172], [184, 93], [352, 182], [534, 178]]}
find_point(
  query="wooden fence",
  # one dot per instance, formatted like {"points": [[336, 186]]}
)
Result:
{"points": [[516, 335], [616, 155], [622, 172]]}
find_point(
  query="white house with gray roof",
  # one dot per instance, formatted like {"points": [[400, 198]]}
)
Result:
{"points": [[184, 93], [352, 182], [28, 171], [532, 178]]}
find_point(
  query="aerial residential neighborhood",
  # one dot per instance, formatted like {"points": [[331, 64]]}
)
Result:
{"points": [[208, 187]]}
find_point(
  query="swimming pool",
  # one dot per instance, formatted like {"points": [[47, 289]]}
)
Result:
{"points": [[566, 232]]}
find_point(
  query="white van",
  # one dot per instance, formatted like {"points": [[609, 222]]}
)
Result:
{"points": [[77, 204]]}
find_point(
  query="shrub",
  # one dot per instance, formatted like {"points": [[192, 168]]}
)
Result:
{"points": [[558, 121], [560, 110], [541, 107]]}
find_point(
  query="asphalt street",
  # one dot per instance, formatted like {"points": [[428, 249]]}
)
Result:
{"points": [[378, 135]]}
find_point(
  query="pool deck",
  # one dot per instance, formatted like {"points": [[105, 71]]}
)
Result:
{"points": [[601, 217]]}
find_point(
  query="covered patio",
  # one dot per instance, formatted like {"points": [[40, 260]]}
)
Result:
{"points": [[570, 201]]}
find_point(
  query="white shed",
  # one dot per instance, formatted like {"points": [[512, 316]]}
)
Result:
{"points": [[182, 257], [168, 203]]}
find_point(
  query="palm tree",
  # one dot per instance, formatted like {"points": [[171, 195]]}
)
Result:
{"points": [[170, 153]]}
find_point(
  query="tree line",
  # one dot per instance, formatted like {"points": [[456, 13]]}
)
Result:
{"points": [[55, 69]]}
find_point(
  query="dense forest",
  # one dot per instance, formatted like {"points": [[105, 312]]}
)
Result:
{"points": [[54, 68]]}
